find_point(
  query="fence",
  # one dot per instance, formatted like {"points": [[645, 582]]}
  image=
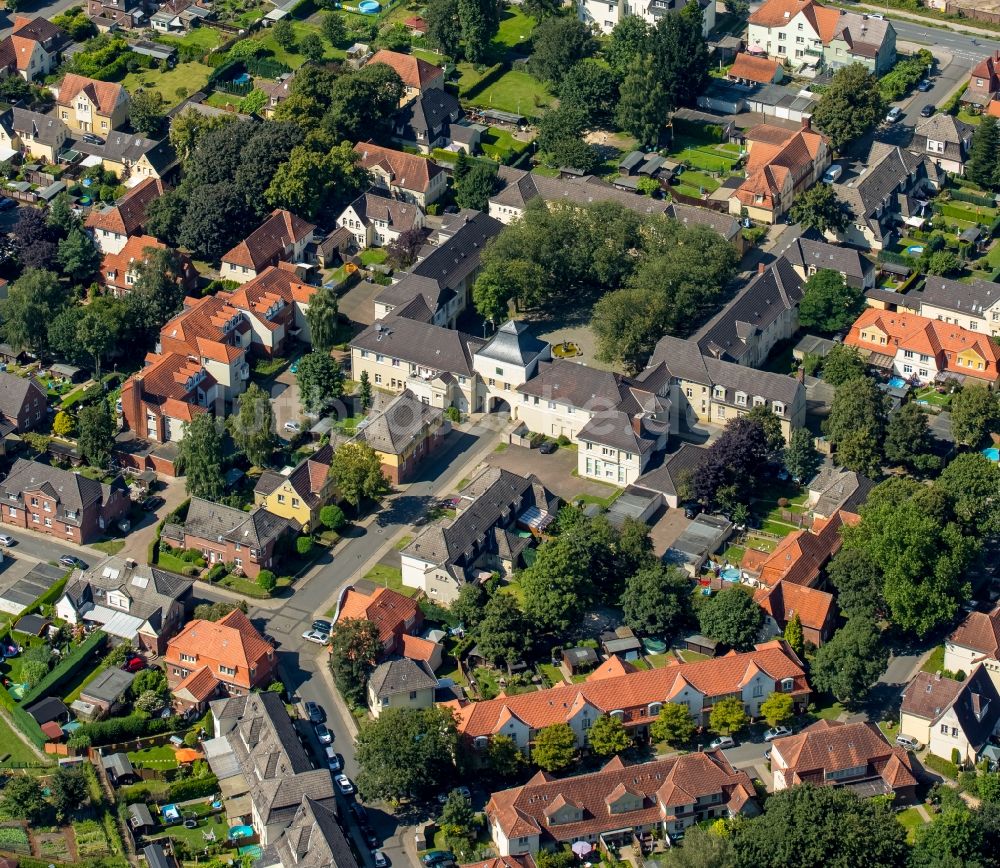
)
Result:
{"points": [[711, 204]]}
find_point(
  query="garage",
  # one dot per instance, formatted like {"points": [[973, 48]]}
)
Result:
{"points": [[23, 593]]}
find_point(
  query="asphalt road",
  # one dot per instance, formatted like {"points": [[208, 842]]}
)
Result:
{"points": [[46, 10]]}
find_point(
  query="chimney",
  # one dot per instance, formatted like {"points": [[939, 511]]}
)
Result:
{"points": [[761, 268], [637, 424], [132, 404], [807, 122]]}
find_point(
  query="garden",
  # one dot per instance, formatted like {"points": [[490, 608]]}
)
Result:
{"points": [[174, 85]]}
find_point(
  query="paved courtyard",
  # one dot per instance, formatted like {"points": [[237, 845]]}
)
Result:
{"points": [[556, 471]]}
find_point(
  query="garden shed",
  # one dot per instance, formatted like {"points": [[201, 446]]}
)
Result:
{"points": [[701, 645], [579, 660], [139, 818], [119, 769]]}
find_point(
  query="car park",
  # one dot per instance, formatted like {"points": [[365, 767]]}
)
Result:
{"points": [[316, 636], [344, 784], [722, 742], [776, 732], [323, 734], [895, 113], [908, 742], [315, 712], [927, 111]]}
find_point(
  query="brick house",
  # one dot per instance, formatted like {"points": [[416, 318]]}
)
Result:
{"points": [[118, 270], [394, 614], [227, 656], [984, 81], [111, 227], [815, 608], [226, 535], [61, 503], [23, 403]]}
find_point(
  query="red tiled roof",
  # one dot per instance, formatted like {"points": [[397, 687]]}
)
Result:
{"points": [[980, 632], [785, 600], [777, 13], [231, 641], [407, 171], [412, 70], [52, 730], [751, 68], [416, 648], [386, 609], [199, 685], [104, 94], [269, 241], [800, 556], [115, 266], [929, 695], [129, 214]]}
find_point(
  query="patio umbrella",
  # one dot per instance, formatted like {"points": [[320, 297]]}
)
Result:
{"points": [[581, 848]]}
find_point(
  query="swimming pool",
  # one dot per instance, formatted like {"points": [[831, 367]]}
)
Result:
{"points": [[731, 574], [993, 453], [240, 832], [915, 249], [897, 382], [242, 78], [369, 7]]}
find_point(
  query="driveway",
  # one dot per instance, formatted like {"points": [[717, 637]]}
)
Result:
{"points": [[138, 541], [556, 471]]}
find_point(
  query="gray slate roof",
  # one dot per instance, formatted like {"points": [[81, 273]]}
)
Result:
{"points": [[401, 216], [420, 343], [210, 521], [130, 148], [972, 298], [942, 127], [73, 491], [314, 838], [47, 129], [513, 344], [400, 676], [402, 421], [690, 215], [15, 392], [888, 167], [978, 708], [807, 252], [109, 686], [582, 386], [429, 111], [666, 478]]}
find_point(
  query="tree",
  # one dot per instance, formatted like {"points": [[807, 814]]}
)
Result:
{"points": [[975, 412], [284, 34], [406, 753], [332, 516], [480, 20], [828, 303], [957, 836], [983, 166], [558, 42], [858, 582], [22, 797], [312, 47], [777, 709], [588, 86], [539, 9], [972, 483], [739, 8], [771, 424], [643, 105], [320, 380], [147, 112], [843, 363], [201, 457], [316, 184], [467, 607], [607, 736], [808, 825], [458, 811], [365, 391], [629, 41], [69, 792], [78, 256], [322, 316], [252, 426], [730, 465], [850, 663], [943, 262], [821, 209], [728, 716], [33, 671], [702, 848], [97, 434], [35, 242], [62, 425], [33, 301], [793, 634], [334, 29], [504, 757], [357, 472], [476, 186], [681, 55], [857, 425], [503, 633], [556, 587], [732, 618], [554, 748], [801, 458], [97, 330], [850, 106], [908, 439], [60, 216], [673, 725], [655, 601], [443, 27], [355, 647]]}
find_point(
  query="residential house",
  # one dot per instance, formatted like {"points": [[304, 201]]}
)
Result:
{"points": [[313, 839], [800, 557], [924, 350], [972, 305], [945, 139], [984, 82], [750, 70], [975, 642], [132, 157], [884, 191], [830, 753], [298, 493], [283, 237], [400, 683], [813, 37], [178, 16], [677, 468], [125, 14], [119, 270], [86, 105], [835, 488], [112, 226], [37, 136], [635, 697], [23, 403], [376, 221], [61, 503], [782, 602], [405, 176], [277, 91], [226, 535], [703, 388], [119, 769], [619, 422], [403, 431], [604, 15], [506, 362], [611, 806], [434, 363], [724, 225], [129, 601], [957, 716], [432, 120], [418, 76], [443, 275], [261, 764], [807, 256], [394, 614], [763, 313], [229, 652], [483, 537], [34, 47], [274, 305], [780, 165]]}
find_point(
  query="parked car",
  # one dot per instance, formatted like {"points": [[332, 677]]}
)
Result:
{"points": [[548, 447], [6, 540], [378, 857], [927, 111], [316, 636], [134, 664], [323, 734], [831, 175], [7, 204], [360, 814], [72, 562], [908, 742], [344, 784], [776, 732], [691, 509], [334, 761], [767, 754], [371, 838], [925, 85], [151, 504], [723, 741], [895, 113], [315, 713], [437, 857], [292, 427], [92, 139], [322, 626]]}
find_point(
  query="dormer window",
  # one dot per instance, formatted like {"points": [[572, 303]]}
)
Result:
{"points": [[787, 684]]}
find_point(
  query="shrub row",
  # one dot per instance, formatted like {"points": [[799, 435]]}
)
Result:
{"points": [[972, 198], [941, 766], [493, 74], [72, 663], [22, 720], [52, 594], [193, 788], [116, 729], [895, 258]]}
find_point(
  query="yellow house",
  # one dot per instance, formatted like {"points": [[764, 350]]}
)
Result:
{"points": [[403, 433], [40, 137], [90, 106], [299, 492]]}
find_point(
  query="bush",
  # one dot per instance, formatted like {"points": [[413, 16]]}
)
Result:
{"points": [[71, 664], [118, 729], [303, 545], [216, 572], [453, 414], [266, 580], [193, 788], [941, 766], [332, 517]]}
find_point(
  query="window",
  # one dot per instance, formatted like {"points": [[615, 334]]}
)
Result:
{"points": [[954, 732], [238, 562], [499, 372], [281, 498], [907, 369], [758, 689], [188, 658], [378, 378], [924, 358], [34, 518], [413, 694], [226, 670], [779, 408], [973, 326], [295, 501], [787, 684], [907, 354], [492, 382], [923, 372]]}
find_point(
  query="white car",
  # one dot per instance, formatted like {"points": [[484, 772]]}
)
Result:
{"points": [[292, 426], [831, 175], [6, 540], [344, 784], [907, 742], [895, 113], [723, 741], [776, 732], [465, 791], [323, 734], [316, 636], [333, 761], [379, 858]]}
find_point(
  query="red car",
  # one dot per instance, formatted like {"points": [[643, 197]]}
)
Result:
{"points": [[134, 664]]}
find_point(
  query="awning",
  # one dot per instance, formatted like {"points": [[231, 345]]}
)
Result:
{"points": [[878, 360], [535, 518], [92, 160], [7, 152], [914, 221], [120, 624]]}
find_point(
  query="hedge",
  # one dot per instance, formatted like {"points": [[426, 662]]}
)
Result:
{"points": [[980, 199], [118, 729], [491, 75], [52, 594], [897, 259], [941, 766], [66, 668], [193, 788], [22, 720]]}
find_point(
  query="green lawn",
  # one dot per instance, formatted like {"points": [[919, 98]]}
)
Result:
{"points": [[190, 76], [205, 38], [516, 92], [930, 395], [110, 547], [168, 561], [659, 660], [163, 757], [734, 554], [935, 663], [390, 577], [826, 708], [551, 672], [373, 256], [12, 748], [498, 144], [969, 212], [429, 56], [515, 27], [911, 820], [293, 58], [702, 158], [692, 183]]}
